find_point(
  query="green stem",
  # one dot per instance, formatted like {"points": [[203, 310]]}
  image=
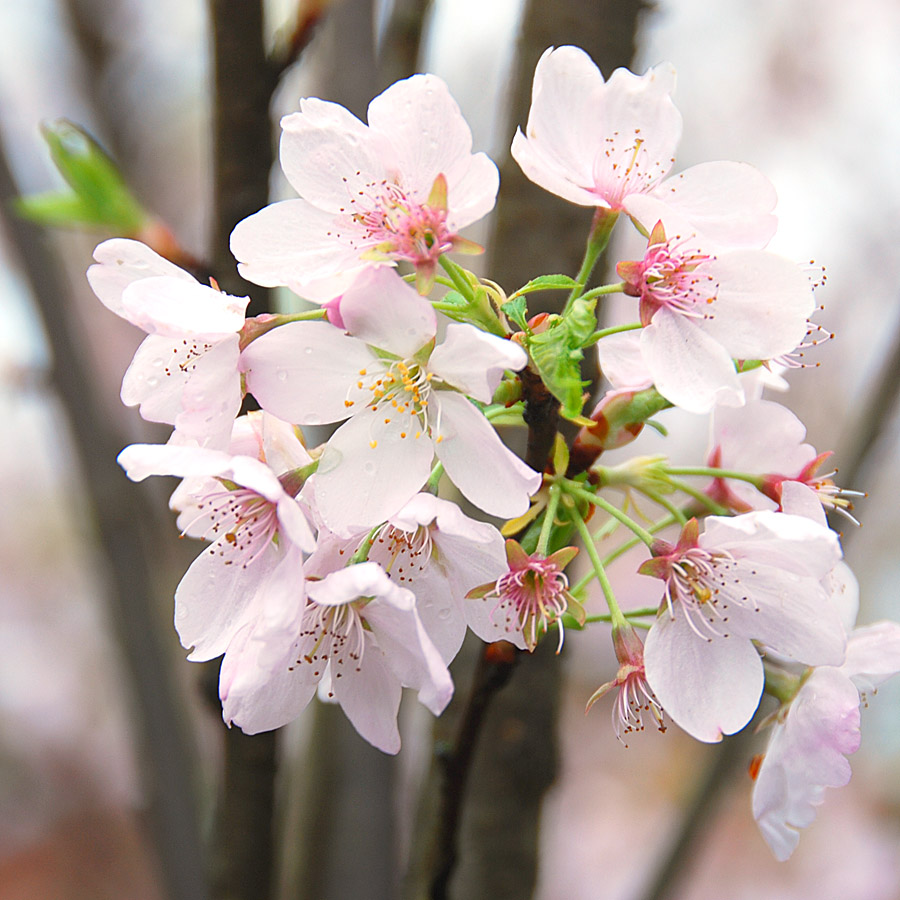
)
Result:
{"points": [[712, 472], [715, 508], [434, 479], [362, 551], [619, 551], [604, 289], [606, 506], [547, 525], [605, 332], [616, 616], [601, 229], [665, 503]]}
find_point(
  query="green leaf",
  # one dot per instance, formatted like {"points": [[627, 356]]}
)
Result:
{"points": [[516, 311], [100, 197], [557, 354], [546, 283]]}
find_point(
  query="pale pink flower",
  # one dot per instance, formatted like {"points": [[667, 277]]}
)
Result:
{"points": [[611, 145], [755, 577], [399, 188], [814, 733], [185, 373], [634, 696], [404, 400], [259, 533], [358, 635], [701, 310], [766, 438], [526, 600], [436, 551]]}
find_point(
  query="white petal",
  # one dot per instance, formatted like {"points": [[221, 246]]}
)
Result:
{"points": [[365, 579], [215, 596], [689, 368], [303, 372], [409, 652], [805, 755], [708, 687], [121, 262], [486, 472], [873, 655], [381, 309], [370, 697], [175, 307], [291, 243], [730, 203], [368, 470], [331, 158], [473, 361], [762, 305]]}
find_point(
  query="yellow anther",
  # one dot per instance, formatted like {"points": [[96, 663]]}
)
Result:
{"points": [[373, 444], [348, 403]]}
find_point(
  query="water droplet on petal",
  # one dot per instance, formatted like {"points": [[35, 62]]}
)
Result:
{"points": [[369, 468], [444, 614], [308, 350], [157, 362], [152, 381], [281, 374]]}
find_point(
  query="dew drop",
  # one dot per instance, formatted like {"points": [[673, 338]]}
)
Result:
{"points": [[369, 468], [281, 374], [158, 362], [152, 381], [307, 350], [444, 614]]}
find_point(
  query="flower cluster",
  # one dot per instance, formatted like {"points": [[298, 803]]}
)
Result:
{"points": [[340, 570]]}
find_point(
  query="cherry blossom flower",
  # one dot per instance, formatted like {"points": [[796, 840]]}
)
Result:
{"points": [[358, 635], [767, 438], [634, 696], [259, 533], [611, 145], [527, 599], [185, 373], [404, 400], [399, 188], [699, 311], [815, 732], [755, 577], [436, 551]]}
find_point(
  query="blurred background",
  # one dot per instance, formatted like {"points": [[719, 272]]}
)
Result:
{"points": [[112, 758]]}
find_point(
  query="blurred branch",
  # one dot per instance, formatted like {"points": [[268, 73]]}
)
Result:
{"points": [[122, 520], [399, 53], [242, 148], [242, 133]]}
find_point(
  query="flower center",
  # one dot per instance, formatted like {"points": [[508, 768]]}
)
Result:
{"points": [[330, 633], [401, 391], [624, 166], [247, 521], [699, 581], [532, 598], [382, 221], [669, 277], [403, 554]]}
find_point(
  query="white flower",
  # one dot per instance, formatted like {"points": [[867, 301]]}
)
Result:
{"points": [[611, 144], [755, 577], [360, 635], [399, 188], [185, 373], [404, 401]]}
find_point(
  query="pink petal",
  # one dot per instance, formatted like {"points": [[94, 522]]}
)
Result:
{"points": [[292, 243], [709, 687], [730, 203], [622, 362], [121, 262], [474, 362], [477, 462], [762, 305], [329, 156], [805, 755], [689, 368], [303, 372], [873, 655], [381, 309], [368, 471]]}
